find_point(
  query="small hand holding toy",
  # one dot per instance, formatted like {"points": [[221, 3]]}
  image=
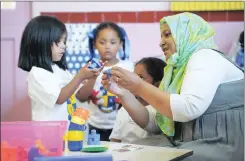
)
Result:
{"points": [[96, 95]]}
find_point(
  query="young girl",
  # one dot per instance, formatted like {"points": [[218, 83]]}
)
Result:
{"points": [[125, 129], [51, 87], [108, 40], [238, 57]]}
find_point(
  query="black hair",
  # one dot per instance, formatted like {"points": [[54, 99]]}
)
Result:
{"points": [[35, 47], [241, 40], [107, 24], [154, 67]]}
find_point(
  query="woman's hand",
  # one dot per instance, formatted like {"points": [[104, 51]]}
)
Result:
{"points": [[112, 87], [124, 79]]}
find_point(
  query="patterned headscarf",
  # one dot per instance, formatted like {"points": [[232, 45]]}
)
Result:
{"points": [[190, 33]]}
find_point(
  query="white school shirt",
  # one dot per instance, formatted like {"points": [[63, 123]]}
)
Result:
{"points": [[126, 130], [97, 118], [205, 71], [44, 88]]}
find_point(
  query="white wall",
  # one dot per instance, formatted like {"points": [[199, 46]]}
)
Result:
{"points": [[144, 44], [38, 7]]}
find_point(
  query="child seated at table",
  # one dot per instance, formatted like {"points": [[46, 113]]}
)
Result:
{"points": [[125, 129]]}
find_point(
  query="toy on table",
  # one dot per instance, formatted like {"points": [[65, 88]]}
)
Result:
{"points": [[40, 151], [33, 153], [93, 138], [95, 148], [76, 129], [19, 153], [106, 101], [44, 151], [8, 153], [93, 145], [95, 63]]}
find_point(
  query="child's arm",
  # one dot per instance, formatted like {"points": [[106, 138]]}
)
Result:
{"points": [[69, 89], [135, 109], [86, 90], [116, 134]]}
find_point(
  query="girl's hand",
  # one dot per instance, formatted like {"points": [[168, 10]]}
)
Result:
{"points": [[86, 73]]}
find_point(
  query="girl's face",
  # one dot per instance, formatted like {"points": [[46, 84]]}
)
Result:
{"points": [[167, 43], [108, 44], [140, 70], [58, 49]]}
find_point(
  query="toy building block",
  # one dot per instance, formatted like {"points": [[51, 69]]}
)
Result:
{"points": [[95, 63], [93, 138], [108, 73]]}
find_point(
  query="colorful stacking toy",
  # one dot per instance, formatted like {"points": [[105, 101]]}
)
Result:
{"points": [[76, 129]]}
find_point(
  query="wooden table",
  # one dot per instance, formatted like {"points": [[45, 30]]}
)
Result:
{"points": [[148, 153]]}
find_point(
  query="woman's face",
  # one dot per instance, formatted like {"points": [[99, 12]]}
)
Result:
{"points": [[167, 43]]}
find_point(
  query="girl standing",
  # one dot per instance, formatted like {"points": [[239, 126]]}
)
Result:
{"points": [[108, 40], [42, 53]]}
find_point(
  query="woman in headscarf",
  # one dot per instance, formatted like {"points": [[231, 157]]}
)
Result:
{"points": [[200, 100]]}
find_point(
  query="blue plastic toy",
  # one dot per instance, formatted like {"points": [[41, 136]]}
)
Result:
{"points": [[33, 153], [108, 73], [95, 63], [76, 134], [93, 138]]}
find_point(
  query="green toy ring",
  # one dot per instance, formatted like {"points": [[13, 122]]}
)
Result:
{"points": [[94, 149]]}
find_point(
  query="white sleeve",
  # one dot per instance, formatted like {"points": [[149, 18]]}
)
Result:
{"points": [[116, 131], [152, 126], [205, 71], [43, 87]]}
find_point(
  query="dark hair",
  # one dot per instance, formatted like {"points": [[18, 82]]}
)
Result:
{"points": [[154, 67], [241, 40], [108, 24], [35, 48]]}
